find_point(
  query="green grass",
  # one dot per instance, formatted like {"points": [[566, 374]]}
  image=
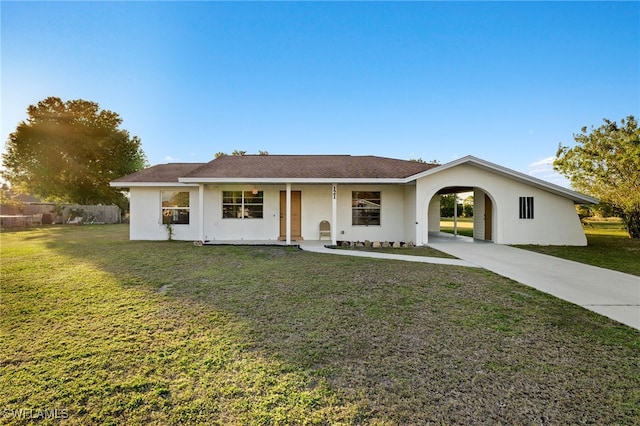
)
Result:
{"points": [[609, 246], [465, 226], [133, 333]]}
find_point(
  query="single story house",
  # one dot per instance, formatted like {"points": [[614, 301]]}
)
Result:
{"points": [[286, 197]]}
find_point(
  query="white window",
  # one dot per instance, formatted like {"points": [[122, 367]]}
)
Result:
{"points": [[366, 207], [242, 204], [175, 207]]}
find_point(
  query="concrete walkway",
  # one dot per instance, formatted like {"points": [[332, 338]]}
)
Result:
{"points": [[610, 293]]}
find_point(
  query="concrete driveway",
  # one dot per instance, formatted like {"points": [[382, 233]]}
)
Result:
{"points": [[609, 293]]}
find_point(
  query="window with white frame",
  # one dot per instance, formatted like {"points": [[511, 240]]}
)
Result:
{"points": [[366, 207], [526, 207], [242, 204], [175, 207]]}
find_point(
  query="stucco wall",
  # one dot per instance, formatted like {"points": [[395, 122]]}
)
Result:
{"points": [[393, 217], [409, 213], [146, 221], [315, 207], [397, 221], [405, 215], [555, 220], [434, 214], [218, 228]]}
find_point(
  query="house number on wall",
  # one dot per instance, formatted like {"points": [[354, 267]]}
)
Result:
{"points": [[335, 192]]}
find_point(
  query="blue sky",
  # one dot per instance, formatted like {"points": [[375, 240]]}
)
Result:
{"points": [[504, 81]]}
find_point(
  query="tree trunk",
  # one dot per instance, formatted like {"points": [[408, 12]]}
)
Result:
{"points": [[632, 220]]}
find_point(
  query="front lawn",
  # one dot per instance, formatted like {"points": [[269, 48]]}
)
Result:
{"points": [[102, 330]]}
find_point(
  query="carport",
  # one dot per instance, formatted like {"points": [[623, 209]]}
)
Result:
{"points": [[483, 211]]}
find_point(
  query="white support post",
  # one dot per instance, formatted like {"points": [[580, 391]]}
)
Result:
{"points": [[334, 214], [201, 211], [455, 214], [288, 214], [421, 234]]}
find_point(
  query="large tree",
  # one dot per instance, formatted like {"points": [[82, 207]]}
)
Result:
{"points": [[605, 163], [70, 151]]}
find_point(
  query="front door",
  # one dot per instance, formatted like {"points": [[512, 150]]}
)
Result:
{"points": [[488, 218], [296, 221]]}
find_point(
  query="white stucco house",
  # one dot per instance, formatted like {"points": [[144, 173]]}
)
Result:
{"points": [[286, 197]]}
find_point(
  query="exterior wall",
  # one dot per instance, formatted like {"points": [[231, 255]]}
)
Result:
{"points": [[217, 228], [406, 215], [397, 214], [146, 221], [434, 214], [315, 207], [393, 226], [555, 222], [555, 219], [409, 213]]}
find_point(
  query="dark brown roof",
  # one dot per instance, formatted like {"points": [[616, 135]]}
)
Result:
{"points": [[160, 173], [308, 166]]}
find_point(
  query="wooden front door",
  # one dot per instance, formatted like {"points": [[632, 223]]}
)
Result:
{"points": [[296, 217], [488, 218]]}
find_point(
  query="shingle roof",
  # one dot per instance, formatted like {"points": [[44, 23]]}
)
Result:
{"points": [[308, 167], [160, 173]]}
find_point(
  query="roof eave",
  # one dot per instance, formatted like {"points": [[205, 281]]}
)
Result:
{"points": [[194, 180], [147, 184], [576, 197]]}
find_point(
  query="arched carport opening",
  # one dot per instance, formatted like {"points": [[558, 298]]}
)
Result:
{"points": [[454, 217], [482, 225]]}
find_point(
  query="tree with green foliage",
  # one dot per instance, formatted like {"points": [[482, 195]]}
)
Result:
{"points": [[447, 205], [70, 151], [605, 163], [238, 153], [420, 160]]}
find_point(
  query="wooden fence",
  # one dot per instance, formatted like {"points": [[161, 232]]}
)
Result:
{"points": [[90, 214]]}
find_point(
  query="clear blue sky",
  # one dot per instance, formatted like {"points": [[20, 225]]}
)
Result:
{"points": [[504, 81]]}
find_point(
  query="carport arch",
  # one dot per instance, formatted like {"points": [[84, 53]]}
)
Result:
{"points": [[486, 224]]}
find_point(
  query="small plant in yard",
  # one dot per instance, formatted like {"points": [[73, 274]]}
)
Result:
{"points": [[111, 331], [169, 227]]}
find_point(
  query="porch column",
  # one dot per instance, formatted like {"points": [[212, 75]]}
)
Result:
{"points": [[334, 214], [201, 212], [288, 215], [421, 230], [455, 214]]}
